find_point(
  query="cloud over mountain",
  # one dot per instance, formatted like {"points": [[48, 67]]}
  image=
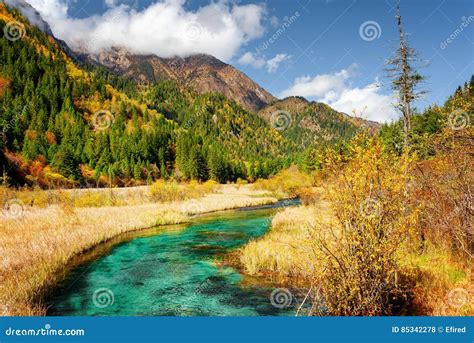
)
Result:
{"points": [[336, 90], [165, 28]]}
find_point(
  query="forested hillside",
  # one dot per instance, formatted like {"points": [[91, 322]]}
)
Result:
{"points": [[309, 125], [65, 123]]}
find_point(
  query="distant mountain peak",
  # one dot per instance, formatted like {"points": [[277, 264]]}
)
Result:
{"points": [[299, 104], [200, 72]]}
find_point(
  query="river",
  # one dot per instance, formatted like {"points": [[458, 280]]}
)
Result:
{"points": [[170, 271]]}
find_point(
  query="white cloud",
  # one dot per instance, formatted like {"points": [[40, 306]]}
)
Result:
{"points": [[336, 90], [110, 3], [322, 85], [271, 65], [274, 21], [49, 9], [164, 28], [250, 59]]}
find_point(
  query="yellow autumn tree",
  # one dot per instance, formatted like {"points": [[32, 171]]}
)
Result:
{"points": [[374, 220]]}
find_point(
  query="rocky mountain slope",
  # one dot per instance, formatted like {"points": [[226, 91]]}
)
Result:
{"points": [[202, 73], [310, 123]]}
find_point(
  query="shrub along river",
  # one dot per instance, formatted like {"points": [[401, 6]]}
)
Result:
{"points": [[171, 271]]}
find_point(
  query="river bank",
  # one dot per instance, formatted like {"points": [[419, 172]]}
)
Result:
{"points": [[37, 242], [291, 255]]}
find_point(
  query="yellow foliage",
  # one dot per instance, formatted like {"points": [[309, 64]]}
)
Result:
{"points": [[166, 191], [173, 191], [369, 196], [289, 181]]}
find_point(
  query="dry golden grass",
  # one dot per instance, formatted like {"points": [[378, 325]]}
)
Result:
{"points": [[288, 250], [173, 191], [288, 253], [160, 191], [38, 242], [443, 286]]}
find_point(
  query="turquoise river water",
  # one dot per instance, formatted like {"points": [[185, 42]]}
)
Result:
{"points": [[170, 271]]}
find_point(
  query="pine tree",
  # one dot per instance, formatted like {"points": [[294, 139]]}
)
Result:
{"points": [[405, 78]]}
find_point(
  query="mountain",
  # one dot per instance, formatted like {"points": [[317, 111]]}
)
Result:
{"points": [[312, 123], [68, 123], [31, 13], [202, 73], [35, 18]]}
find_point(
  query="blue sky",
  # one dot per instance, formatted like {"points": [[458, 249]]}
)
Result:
{"points": [[323, 53]]}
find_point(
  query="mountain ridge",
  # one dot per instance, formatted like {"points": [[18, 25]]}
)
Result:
{"points": [[200, 72], [68, 124], [206, 74], [298, 104], [71, 123]]}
